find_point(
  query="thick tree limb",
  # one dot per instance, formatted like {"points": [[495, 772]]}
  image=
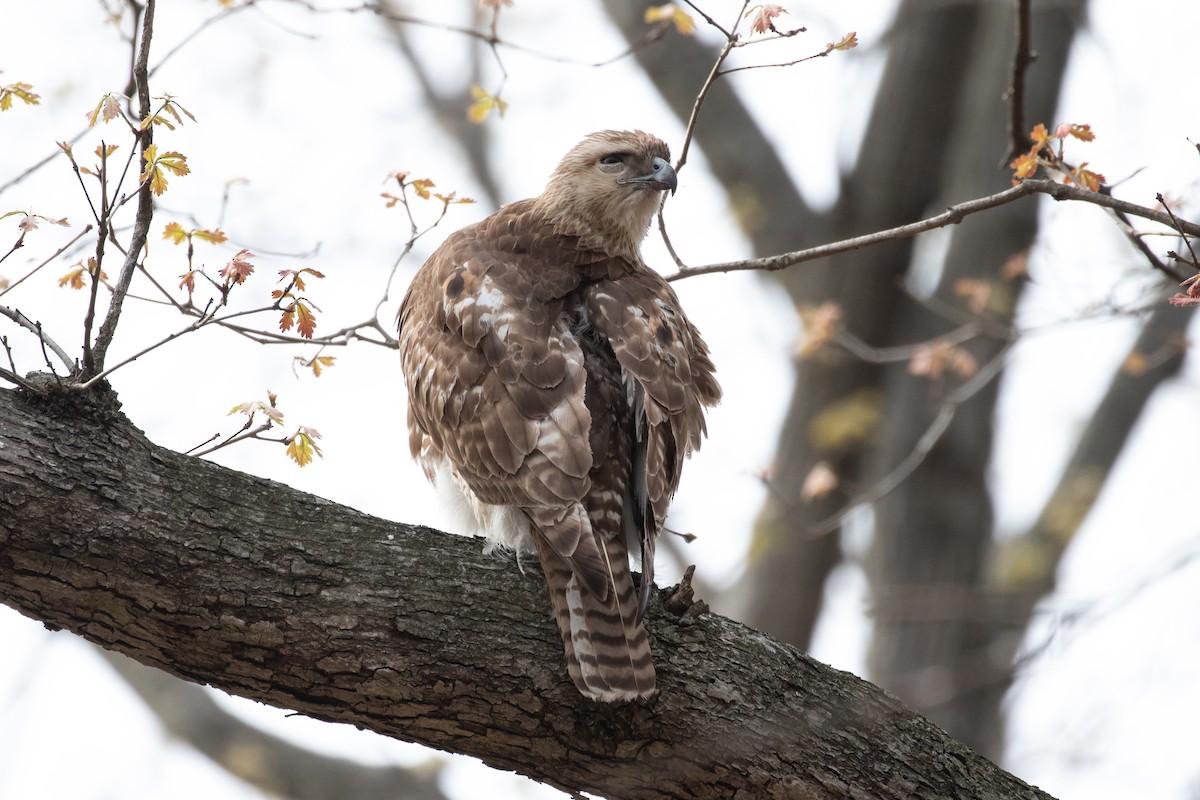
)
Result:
{"points": [[273, 594]]}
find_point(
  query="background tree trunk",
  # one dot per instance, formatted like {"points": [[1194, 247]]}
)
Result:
{"points": [[938, 134]]}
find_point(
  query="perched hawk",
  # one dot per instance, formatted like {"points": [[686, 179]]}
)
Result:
{"points": [[555, 387]]}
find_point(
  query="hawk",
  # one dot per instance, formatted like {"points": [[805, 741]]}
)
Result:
{"points": [[555, 387]]}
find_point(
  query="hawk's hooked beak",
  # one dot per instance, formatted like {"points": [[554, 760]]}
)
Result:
{"points": [[662, 176]]}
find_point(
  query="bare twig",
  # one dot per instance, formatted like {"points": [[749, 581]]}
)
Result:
{"points": [[925, 444], [713, 74], [36, 327], [904, 352], [96, 269], [238, 437], [1175, 224]]}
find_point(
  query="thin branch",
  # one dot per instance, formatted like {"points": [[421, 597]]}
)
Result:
{"points": [[950, 216], [87, 229], [240, 436], [925, 444], [96, 270], [145, 209], [36, 327], [713, 74], [1175, 224], [904, 352], [11, 374]]}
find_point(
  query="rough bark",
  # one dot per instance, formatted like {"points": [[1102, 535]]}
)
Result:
{"points": [[273, 594]]}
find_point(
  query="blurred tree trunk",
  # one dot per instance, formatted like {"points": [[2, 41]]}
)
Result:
{"points": [[937, 134], [933, 534]]}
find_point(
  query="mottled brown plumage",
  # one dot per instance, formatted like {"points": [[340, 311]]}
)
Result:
{"points": [[555, 387]]}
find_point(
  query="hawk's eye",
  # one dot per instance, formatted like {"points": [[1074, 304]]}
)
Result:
{"points": [[612, 158]]}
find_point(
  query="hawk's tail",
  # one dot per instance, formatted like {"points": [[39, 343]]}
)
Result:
{"points": [[608, 654]]}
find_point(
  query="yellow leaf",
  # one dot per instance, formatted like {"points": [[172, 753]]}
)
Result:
{"points": [[175, 162], [303, 446], [175, 232], [74, 279], [422, 186], [320, 363], [671, 12], [19, 91], [171, 161], [485, 101]]}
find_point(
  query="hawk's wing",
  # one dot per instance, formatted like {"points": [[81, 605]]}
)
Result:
{"points": [[496, 380], [670, 378]]}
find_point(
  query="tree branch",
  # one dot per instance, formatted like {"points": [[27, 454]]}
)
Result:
{"points": [[94, 356], [951, 216], [1018, 140], [280, 596]]}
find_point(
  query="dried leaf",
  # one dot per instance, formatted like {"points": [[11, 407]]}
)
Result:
{"points": [[820, 481], [820, 324], [764, 17], [188, 280], [847, 42]]}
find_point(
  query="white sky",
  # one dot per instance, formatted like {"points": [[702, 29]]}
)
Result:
{"points": [[315, 111]]}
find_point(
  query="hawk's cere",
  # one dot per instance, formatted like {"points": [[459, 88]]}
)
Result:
{"points": [[555, 387]]}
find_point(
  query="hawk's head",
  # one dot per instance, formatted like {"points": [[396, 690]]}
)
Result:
{"points": [[607, 188]]}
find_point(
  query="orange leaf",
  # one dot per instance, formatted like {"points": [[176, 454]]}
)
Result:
{"points": [[306, 321], [1024, 166]]}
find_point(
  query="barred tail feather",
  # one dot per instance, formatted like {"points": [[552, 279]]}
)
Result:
{"points": [[607, 651]]}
